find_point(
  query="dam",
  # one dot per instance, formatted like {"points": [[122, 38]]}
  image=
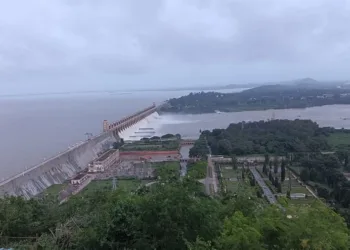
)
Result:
{"points": [[67, 164]]}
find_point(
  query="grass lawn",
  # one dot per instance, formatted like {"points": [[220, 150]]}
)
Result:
{"points": [[167, 164], [300, 189], [152, 145], [305, 201], [55, 189], [127, 185], [339, 139], [296, 187], [232, 185], [229, 172]]}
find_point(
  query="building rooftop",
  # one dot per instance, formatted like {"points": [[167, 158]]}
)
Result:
{"points": [[106, 155], [79, 176]]}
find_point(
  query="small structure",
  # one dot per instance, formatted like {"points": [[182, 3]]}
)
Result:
{"points": [[104, 162], [79, 179], [106, 126], [297, 196], [154, 156]]}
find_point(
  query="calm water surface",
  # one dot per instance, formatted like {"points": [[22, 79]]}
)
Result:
{"points": [[34, 128], [189, 125]]}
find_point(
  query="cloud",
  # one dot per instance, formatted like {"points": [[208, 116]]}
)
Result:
{"points": [[162, 40]]}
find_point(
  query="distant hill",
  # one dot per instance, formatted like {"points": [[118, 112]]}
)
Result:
{"points": [[300, 93], [306, 81], [243, 85]]}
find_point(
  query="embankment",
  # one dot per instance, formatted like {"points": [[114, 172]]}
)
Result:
{"points": [[57, 169]]}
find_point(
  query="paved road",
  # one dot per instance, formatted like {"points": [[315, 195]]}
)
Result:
{"points": [[268, 193], [211, 182]]}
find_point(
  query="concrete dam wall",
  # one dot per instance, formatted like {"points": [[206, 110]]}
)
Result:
{"points": [[66, 165], [56, 170]]}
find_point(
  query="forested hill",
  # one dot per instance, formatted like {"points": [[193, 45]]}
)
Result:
{"points": [[264, 97], [272, 137]]}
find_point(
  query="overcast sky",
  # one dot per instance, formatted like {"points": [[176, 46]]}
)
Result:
{"points": [[69, 45]]}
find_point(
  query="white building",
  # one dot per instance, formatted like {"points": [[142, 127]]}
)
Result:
{"points": [[79, 179], [105, 161]]}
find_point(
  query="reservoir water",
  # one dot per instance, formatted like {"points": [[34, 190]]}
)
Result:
{"points": [[38, 127]]}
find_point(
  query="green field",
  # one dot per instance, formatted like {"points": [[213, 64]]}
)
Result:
{"points": [[232, 178], [197, 170], [55, 189], [229, 172], [339, 140], [100, 185], [232, 185], [165, 170], [152, 146], [165, 164]]}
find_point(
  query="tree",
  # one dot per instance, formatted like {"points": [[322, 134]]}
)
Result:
{"points": [[288, 194], [283, 171], [145, 139], [224, 147], [234, 161], [323, 192], [275, 161], [264, 168], [167, 136], [343, 156], [346, 161], [311, 228], [169, 230], [267, 159], [275, 182], [258, 193], [155, 138], [200, 245], [197, 170], [270, 177], [305, 174], [279, 187], [252, 181], [240, 233]]}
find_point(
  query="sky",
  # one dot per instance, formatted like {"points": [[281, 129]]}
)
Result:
{"points": [[77, 45]]}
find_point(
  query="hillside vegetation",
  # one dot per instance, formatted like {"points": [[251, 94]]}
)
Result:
{"points": [[278, 96], [172, 215], [272, 137], [175, 213]]}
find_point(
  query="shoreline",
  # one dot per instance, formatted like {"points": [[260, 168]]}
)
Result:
{"points": [[218, 111]]}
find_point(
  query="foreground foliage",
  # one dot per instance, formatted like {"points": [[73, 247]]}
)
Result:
{"points": [[197, 170], [173, 214]]}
